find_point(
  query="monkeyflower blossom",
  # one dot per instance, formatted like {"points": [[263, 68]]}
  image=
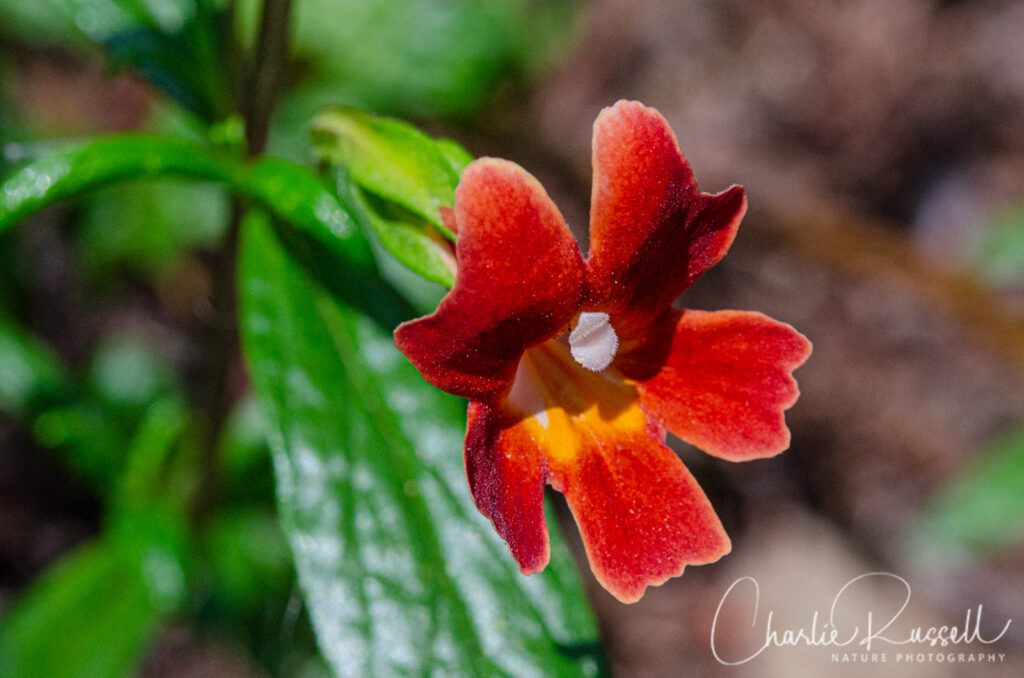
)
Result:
{"points": [[575, 368]]}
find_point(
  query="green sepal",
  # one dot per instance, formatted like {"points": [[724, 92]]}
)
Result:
{"points": [[393, 160], [413, 241], [397, 180]]}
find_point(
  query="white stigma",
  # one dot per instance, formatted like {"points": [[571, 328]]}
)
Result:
{"points": [[593, 341]]}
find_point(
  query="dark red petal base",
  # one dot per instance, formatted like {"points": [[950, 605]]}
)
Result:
{"points": [[506, 479], [519, 281]]}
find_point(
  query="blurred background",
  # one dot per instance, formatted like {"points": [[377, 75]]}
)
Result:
{"points": [[881, 145]]}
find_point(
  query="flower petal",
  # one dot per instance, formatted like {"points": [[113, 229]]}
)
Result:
{"points": [[506, 478], [720, 380], [519, 282], [652, 233], [641, 514]]}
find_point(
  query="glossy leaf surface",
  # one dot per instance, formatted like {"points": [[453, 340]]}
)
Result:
{"points": [[290, 191], [401, 573]]}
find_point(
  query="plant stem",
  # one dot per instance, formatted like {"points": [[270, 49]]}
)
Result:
{"points": [[220, 336], [220, 339], [268, 69]]}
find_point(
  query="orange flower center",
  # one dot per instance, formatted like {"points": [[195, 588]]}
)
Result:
{"points": [[562, 401]]}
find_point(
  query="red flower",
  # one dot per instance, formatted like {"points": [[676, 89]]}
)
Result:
{"points": [[575, 368]]}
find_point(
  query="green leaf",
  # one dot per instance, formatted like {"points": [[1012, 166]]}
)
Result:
{"points": [[87, 438], [401, 573], [141, 482], [30, 373], [300, 198], [248, 557], [40, 22], [982, 511], [409, 238], [395, 179], [390, 159], [1000, 257], [293, 193], [90, 424], [176, 44], [457, 156], [244, 457], [97, 20], [148, 226], [93, 613], [90, 616], [155, 541], [249, 589]]}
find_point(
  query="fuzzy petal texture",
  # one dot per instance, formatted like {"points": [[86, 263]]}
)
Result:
{"points": [[587, 410], [652, 232], [506, 475], [642, 515], [720, 380], [520, 281]]}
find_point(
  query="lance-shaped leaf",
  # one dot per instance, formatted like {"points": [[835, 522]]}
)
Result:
{"points": [[293, 193], [402, 576]]}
